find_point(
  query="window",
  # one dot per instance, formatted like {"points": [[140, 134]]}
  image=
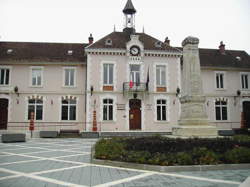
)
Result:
{"points": [[70, 52], [219, 80], [108, 75], [4, 76], [161, 75], [221, 110], [135, 73], [161, 106], [68, 109], [69, 77], [36, 106], [108, 109], [108, 42], [36, 74], [244, 81]]}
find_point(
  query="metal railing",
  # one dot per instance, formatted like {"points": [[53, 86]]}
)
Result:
{"points": [[134, 87]]}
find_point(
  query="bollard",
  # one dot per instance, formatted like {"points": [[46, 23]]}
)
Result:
{"points": [[32, 126]]}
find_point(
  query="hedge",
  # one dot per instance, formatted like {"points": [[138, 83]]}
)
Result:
{"points": [[168, 151]]}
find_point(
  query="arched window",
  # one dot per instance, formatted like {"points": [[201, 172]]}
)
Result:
{"points": [[221, 110], [36, 106], [161, 107], [68, 109], [108, 108]]}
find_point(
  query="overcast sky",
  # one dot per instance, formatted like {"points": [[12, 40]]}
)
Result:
{"points": [[211, 21]]}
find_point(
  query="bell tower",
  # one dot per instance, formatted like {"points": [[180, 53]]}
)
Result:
{"points": [[129, 17]]}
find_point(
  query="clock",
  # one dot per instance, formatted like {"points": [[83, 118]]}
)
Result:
{"points": [[134, 50]]}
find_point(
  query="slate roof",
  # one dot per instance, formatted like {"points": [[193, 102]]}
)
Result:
{"points": [[129, 8], [42, 52], [58, 52], [231, 58], [119, 40]]}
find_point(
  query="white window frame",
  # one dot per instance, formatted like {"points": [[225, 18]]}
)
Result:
{"points": [[108, 78], [61, 105], [248, 79], [162, 97], [166, 72], [224, 80], [161, 109], [220, 106], [162, 67], [108, 111], [41, 68], [114, 108], [10, 71], [35, 108], [133, 74], [102, 75], [64, 77]]}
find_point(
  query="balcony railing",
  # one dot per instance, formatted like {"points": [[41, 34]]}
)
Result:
{"points": [[135, 87]]}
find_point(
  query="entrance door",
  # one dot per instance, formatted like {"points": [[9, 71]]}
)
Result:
{"points": [[3, 113], [135, 114], [246, 112]]}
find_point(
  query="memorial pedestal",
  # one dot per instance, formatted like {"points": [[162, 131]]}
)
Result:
{"points": [[193, 120]]}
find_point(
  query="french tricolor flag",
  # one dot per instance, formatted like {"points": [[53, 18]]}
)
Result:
{"points": [[131, 84]]}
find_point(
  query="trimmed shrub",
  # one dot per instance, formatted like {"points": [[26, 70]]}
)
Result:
{"points": [[112, 149], [137, 156], [167, 145], [184, 159], [241, 138], [203, 156], [238, 155], [166, 152]]}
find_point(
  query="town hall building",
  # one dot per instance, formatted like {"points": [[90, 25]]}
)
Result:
{"points": [[126, 81]]}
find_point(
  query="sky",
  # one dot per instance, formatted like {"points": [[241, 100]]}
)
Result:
{"points": [[71, 21]]}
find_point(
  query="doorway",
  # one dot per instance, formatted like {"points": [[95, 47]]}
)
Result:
{"points": [[3, 113], [246, 113], [134, 114]]}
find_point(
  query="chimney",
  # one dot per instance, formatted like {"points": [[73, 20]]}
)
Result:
{"points": [[222, 48], [91, 39], [167, 42]]}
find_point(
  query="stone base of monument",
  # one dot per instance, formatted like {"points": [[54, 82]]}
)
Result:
{"points": [[195, 131], [194, 122]]}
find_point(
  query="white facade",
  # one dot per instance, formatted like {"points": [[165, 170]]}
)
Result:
{"points": [[131, 80], [51, 90]]}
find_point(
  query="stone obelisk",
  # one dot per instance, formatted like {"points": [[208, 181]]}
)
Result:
{"points": [[193, 120]]}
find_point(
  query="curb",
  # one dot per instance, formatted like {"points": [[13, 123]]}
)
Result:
{"points": [[171, 168]]}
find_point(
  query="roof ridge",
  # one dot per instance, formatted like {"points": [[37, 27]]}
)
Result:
{"points": [[25, 42]]}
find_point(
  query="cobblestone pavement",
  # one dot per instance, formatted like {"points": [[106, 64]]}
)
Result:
{"points": [[66, 162]]}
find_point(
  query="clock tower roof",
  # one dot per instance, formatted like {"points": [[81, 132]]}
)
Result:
{"points": [[119, 40], [129, 8]]}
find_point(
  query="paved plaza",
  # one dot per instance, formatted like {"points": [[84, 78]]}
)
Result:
{"points": [[66, 162]]}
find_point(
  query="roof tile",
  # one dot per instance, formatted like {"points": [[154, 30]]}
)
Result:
{"points": [[47, 52]]}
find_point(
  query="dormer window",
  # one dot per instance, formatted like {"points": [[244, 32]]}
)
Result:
{"points": [[108, 42], [9, 51], [238, 58], [70, 52], [158, 44]]}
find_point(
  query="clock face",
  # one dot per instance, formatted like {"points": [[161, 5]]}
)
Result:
{"points": [[134, 50]]}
